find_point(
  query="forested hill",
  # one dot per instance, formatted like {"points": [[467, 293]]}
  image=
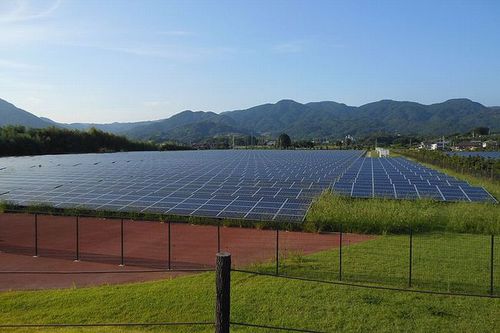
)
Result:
{"points": [[301, 121], [328, 119]]}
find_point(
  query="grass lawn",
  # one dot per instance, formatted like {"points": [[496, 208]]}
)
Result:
{"points": [[299, 304], [446, 262]]}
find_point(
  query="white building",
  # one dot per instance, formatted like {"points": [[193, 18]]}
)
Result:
{"points": [[440, 145], [382, 152], [490, 144]]}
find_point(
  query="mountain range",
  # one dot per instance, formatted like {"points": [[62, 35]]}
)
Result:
{"points": [[301, 121]]}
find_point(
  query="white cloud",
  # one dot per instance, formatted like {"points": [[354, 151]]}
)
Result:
{"points": [[175, 33], [289, 47], [8, 64], [23, 22], [172, 52], [12, 11], [303, 45]]}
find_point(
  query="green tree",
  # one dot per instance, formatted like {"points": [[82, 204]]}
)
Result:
{"points": [[284, 141], [18, 140], [481, 131]]}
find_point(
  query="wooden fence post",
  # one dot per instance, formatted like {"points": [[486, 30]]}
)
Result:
{"points": [[492, 265], [169, 246], [277, 272], [340, 253], [410, 259], [77, 240], [122, 260], [36, 236], [223, 292]]}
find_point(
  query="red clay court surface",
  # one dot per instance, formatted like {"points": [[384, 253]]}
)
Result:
{"points": [[145, 248]]}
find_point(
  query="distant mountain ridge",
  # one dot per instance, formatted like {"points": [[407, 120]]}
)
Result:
{"points": [[301, 121], [12, 115]]}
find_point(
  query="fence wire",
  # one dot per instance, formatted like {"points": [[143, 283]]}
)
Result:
{"points": [[437, 261]]}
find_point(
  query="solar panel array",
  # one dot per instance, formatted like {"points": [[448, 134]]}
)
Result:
{"points": [[241, 184], [485, 154], [252, 185], [399, 178]]}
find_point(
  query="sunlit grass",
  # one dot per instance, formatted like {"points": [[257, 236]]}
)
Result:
{"points": [[441, 262], [329, 212]]}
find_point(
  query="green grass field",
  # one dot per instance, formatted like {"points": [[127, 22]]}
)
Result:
{"points": [[448, 262], [441, 262]]}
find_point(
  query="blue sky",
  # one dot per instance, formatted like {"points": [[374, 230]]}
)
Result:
{"points": [[102, 61]]}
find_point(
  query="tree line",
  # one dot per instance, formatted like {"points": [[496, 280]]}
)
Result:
{"points": [[19, 140], [473, 165]]}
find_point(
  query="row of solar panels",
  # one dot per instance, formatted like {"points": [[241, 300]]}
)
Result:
{"points": [[250, 185], [414, 191], [400, 178]]}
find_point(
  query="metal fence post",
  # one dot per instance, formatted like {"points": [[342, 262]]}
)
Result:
{"points": [[122, 263], [223, 292], [492, 263], [277, 250], [218, 236], [169, 246], [36, 236], [410, 258], [340, 254], [77, 239]]}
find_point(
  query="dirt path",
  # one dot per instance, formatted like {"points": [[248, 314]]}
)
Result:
{"points": [[145, 248]]}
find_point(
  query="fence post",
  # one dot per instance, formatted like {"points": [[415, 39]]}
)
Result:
{"points": [[277, 250], [492, 263], [169, 246], [218, 236], [223, 292], [122, 263], [411, 257], [340, 254], [36, 236], [77, 244]]}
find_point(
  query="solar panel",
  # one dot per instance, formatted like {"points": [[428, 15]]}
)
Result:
{"points": [[485, 154], [404, 179], [477, 194], [260, 185]]}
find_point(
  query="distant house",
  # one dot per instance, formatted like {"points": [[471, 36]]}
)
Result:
{"points": [[439, 145], [469, 145], [349, 138], [424, 145], [490, 144], [382, 152], [271, 143]]}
